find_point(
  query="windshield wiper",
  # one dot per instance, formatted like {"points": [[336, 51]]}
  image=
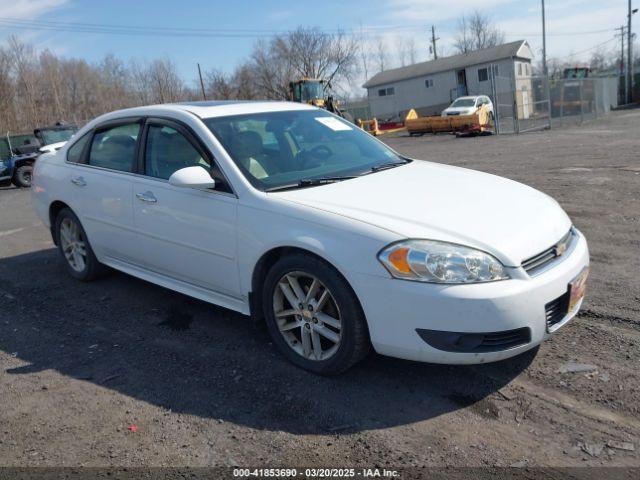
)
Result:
{"points": [[311, 182], [386, 166]]}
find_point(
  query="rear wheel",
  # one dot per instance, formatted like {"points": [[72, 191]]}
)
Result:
{"points": [[22, 177], [75, 249], [313, 315]]}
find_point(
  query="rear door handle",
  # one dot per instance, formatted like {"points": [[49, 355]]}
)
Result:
{"points": [[146, 197], [79, 181]]}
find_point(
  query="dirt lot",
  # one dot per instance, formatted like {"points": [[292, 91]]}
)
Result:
{"points": [[80, 363]]}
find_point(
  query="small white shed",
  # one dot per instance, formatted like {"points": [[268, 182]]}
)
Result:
{"points": [[429, 87]]}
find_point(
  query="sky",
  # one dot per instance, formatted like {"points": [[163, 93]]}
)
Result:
{"points": [[575, 28]]}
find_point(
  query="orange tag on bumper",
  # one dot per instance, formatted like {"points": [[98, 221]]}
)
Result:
{"points": [[577, 287]]}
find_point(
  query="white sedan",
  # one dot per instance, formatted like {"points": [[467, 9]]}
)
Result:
{"points": [[468, 106], [291, 214]]}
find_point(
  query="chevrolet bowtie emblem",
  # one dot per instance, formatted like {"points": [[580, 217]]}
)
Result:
{"points": [[561, 248]]}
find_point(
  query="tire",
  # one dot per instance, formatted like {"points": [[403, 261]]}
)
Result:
{"points": [[340, 306], [22, 177], [68, 226]]}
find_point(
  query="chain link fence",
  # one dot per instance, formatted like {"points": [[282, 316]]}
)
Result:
{"points": [[529, 103]]}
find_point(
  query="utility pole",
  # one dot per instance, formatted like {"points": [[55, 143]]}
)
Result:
{"points": [[544, 44], [204, 96], [629, 57], [433, 42]]}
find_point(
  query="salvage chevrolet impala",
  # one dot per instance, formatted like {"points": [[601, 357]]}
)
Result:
{"points": [[295, 216]]}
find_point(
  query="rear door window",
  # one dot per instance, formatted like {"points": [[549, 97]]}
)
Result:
{"points": [[115, 148]]}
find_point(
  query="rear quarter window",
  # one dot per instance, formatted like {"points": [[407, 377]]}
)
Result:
{"points": [[74, 154]]}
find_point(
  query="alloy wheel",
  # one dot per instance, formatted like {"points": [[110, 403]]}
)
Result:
{"points": [[73, 245], [307, 316]]}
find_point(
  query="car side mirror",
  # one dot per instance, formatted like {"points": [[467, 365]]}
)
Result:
{"points": [[192, 177]]}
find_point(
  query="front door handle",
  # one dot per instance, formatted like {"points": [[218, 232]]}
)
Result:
{"points": [[79, 181], [146, 197]]}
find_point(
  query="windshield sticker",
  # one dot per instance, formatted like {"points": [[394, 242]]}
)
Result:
{"points": [[333, 123]]}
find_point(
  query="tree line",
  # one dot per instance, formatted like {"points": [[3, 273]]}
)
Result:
{"points": [[38, 88], [41, 88]]}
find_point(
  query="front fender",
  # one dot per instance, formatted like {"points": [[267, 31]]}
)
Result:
{"points": [[349, 246]]}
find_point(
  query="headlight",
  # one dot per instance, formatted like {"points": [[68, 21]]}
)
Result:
{"points": [[440, 262]]}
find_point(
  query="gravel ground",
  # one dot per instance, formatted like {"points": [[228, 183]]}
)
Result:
{"points": [[81, 363]]}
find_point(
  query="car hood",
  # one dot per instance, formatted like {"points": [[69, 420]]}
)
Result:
{"points": [[433, 201]]}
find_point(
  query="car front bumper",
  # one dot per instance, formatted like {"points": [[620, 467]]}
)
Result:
{"points": [[399, 312]]}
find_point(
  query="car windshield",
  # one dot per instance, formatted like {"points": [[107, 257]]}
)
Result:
{"points": [[55, 136], [464, 102], [281, 149]]}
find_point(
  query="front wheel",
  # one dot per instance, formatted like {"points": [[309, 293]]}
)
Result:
{"points": [[22, 177], [313, 315]]}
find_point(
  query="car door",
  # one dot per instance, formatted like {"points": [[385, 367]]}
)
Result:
{"points": [[187, 234], [102, 184]]}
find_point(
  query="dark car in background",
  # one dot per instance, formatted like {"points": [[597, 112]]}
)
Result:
{"points": [[18, 153]]}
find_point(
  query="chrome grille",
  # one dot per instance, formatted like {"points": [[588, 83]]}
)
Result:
{"points": [[542, 259]]}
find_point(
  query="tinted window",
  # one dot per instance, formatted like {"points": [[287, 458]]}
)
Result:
{"points": [[167, 151], [74, 153], [115, 148]]}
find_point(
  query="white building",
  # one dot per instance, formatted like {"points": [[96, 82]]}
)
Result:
{"points": [[429, 87]]}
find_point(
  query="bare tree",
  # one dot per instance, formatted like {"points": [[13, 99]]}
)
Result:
{"points": [[363, 53], [476, 31], [402, 54], [301, 53], [411, 50], [39, 87], [8, 117], [381, 55], [603, 59], [218, 85], [166, 84], [244, 84], [364, 60], [272, 70], [140, 81], [24, 67], [114, 84]]}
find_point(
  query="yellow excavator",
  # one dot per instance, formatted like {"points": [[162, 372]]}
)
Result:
{"points": [[312, 92]]}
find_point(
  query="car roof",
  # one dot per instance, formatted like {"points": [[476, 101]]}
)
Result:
{"points": [[209, 109]]}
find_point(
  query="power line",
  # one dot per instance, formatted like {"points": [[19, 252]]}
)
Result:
{"points": [[589, 49], [139, 30], [559, 34]]}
